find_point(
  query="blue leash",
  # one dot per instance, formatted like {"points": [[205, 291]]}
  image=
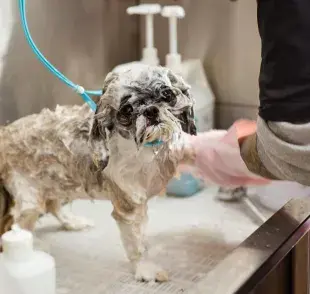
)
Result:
{"points": [[77, 88]]}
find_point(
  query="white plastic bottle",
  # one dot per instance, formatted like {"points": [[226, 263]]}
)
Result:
{"points": [[32, 272]]}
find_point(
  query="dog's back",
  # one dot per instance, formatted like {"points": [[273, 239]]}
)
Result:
{"points": [[42, 159]]}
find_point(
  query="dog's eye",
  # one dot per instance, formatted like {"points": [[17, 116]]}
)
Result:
{"points": [[124, 115], [126, 110], [167, 94]]}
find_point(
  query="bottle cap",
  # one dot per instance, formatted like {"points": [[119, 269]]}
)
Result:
{"points": [[17, 244]]}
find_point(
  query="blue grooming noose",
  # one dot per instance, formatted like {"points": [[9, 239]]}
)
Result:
{"points": [[77, 88], [155, 143]]}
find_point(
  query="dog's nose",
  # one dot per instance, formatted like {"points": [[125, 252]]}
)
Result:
{"points": [[151, 113]]}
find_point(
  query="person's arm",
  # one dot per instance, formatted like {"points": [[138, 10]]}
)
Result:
{"points": [[215, 156], [284, 79], [249, 154], [280, 146]]}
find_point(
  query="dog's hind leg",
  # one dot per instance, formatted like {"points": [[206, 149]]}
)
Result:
{"points": [[132, 222], [6, 205], [28, 219], [27, 203], [68, 220]]}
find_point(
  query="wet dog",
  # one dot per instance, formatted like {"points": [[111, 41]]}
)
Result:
{"points": [[51, 158]]}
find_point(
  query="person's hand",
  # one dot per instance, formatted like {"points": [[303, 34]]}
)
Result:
{"points": [[215, 156]]}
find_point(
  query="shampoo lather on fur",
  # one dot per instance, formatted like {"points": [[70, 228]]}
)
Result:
{"points": [[32, 272]]}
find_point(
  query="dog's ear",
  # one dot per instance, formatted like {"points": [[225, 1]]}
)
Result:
{"points": [[110, 78], [99, 137], [187, 117], [102, 126]]}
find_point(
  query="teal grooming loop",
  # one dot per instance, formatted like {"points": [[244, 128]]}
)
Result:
{"points": [[77, 88]]}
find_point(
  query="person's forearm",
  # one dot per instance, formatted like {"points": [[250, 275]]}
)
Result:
{"points": [[249, 154], [279, 149], [215, 155]]}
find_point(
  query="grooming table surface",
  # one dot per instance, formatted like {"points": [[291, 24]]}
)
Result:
{"points": [[187, 237]]}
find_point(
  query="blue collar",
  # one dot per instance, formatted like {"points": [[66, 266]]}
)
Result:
{"points": [[77, 88], [155, 143]]}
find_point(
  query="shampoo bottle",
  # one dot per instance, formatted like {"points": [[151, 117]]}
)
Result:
{"points": [[32, 272]]}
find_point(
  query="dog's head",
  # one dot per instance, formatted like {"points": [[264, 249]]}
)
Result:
{"points": [[143, 104]]}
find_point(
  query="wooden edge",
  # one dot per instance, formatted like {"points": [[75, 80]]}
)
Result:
{"points": [[300, 264]]}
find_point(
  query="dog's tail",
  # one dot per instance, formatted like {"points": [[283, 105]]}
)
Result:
{"points": [[6, 205]]}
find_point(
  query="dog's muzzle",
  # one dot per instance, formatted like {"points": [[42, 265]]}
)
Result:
{"points": [[156, 125], [151, 114]]}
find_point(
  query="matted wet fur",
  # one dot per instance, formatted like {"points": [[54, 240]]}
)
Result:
{"points": [[51, 158], [6, 204]]}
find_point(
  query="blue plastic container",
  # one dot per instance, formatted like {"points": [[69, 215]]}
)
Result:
{"points": [[186, 186]]}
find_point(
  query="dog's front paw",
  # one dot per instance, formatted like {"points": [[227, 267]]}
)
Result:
{"points": [[77, 223], [148, 272]]}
